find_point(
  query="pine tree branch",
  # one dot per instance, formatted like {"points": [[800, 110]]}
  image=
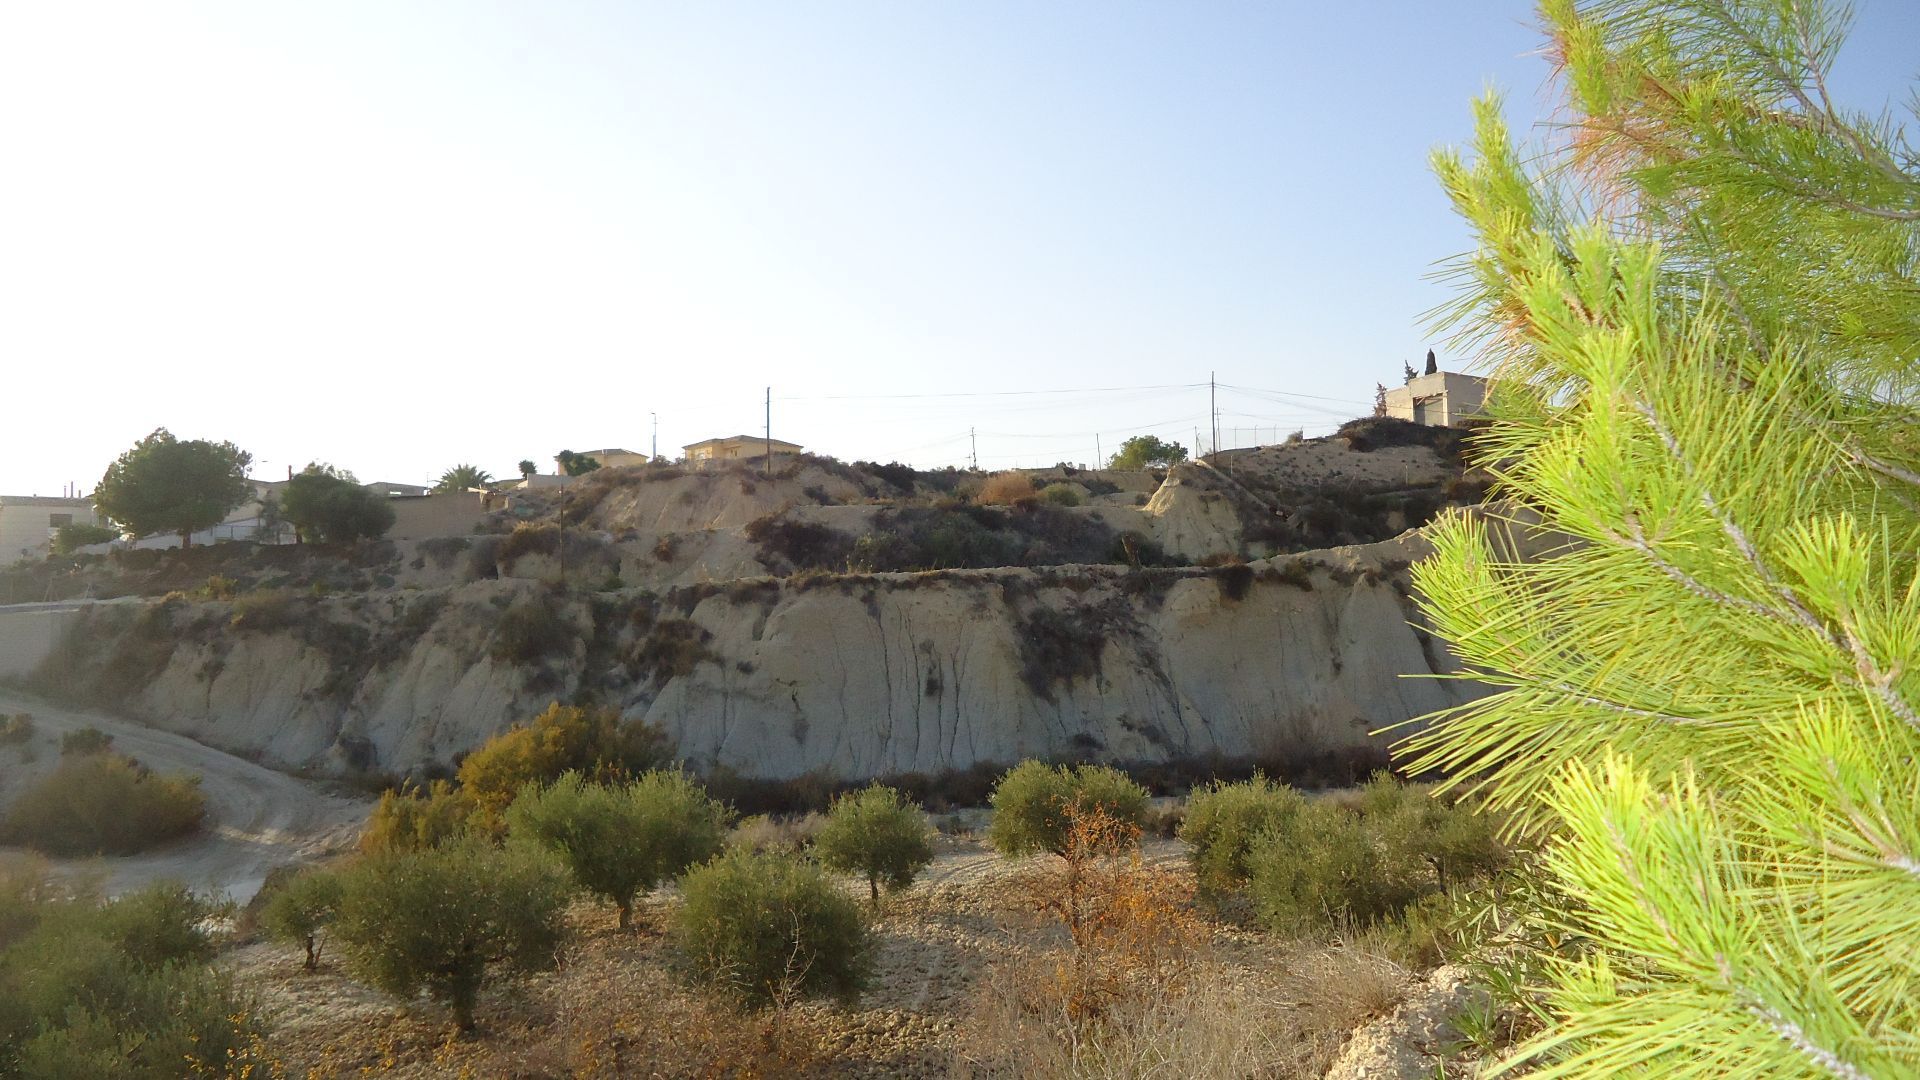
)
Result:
{"points": [[1796, 1036], [1872, 679], [1755, 1005], [1872, 155], [1638, 542], [1625, 710], [1884, 468]]}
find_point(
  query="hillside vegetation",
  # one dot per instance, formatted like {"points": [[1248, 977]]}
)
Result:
{"points": [[854, 621]]}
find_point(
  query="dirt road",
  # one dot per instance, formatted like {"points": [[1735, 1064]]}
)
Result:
{"points": [[257, 818]]}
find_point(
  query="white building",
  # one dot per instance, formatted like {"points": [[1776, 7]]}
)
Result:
{"points": [[28, 522], [1439, 399]]}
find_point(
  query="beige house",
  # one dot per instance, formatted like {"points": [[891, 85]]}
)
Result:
{"points": [[1438, 399], [444, 513], [737, 448], [608, 459], [28, 522]]}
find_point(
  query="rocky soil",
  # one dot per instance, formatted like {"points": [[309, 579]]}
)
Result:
{"points": [[950, 949]]}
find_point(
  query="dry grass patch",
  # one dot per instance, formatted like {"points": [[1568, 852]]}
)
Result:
{"points": [[1002, 489]]}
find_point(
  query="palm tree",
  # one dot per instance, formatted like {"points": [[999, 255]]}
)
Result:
{"points": [[462, 477]]}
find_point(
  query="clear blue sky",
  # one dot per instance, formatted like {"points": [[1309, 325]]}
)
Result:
{"points": [[397, 236]]}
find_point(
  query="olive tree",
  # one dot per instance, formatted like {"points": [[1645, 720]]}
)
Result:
{"points": [[1033, 805], [623, 839], [877, 833], [442, 919], [300, 912], [772, 928]]}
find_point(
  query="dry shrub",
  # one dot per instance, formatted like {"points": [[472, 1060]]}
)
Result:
{"points": [[788, 833], [531, 631], [1330, 991], [1002, 489], [528, 538], [645, 1025], [103, 804], [1133, 993], [1216, 1023], [17, 728]]}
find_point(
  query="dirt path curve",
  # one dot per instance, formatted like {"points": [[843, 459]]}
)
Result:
{"points": [[257, 818]]}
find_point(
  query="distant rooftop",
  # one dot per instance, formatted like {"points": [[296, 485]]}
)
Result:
{"points": [[42, 500], [741, 439]]}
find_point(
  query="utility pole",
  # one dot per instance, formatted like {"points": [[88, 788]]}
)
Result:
{"points": [[974, 440], [767, 471], [1099, 457], [1213, 408], [656, 438]]}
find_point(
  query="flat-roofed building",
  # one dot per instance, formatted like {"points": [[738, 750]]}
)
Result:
{"points": [[608, 459], [28, 522], [737, 448], [1439, 399]]}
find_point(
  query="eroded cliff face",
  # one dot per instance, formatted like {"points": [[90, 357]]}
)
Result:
{"points": [[853, 675]]}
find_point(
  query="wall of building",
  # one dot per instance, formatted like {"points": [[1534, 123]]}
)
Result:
{"points": [[27, 526], [446, 514], [1466, 397], [1443, 399], [737, 450], [608, 460]]}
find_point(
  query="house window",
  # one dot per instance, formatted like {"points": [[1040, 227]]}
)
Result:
{"points": [[55, 521]]}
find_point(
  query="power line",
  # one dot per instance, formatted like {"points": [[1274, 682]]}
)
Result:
{"points": [[997, 393], [1291, 394]]}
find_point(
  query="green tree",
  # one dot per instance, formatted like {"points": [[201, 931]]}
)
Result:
{"points": [[772, 928], [69, 538], [1325, 866], [462, 477], [576, 464], [591, 741], [1032, 804], [527, 467], [1147, 451], [621, 840], [300, 912], [164, 485], [878, 834], [440, 920], [1703, 316], [329, 505], [1221, 825]]}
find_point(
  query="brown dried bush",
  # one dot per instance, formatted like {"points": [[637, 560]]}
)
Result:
{"points": [[1002, 489]]}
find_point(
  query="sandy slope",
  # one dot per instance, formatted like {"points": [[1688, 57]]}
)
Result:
{"points": [[256, 818]]}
